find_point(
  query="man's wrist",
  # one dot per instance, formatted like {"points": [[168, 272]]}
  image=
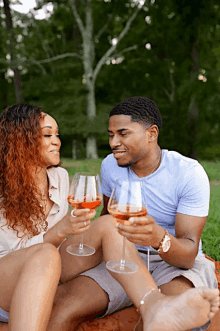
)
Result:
{"points": [[160, 237], [165, 243]]}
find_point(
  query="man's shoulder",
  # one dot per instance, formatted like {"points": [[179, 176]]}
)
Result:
{"points": [[183, 166], [176, 161], [176, 157]]}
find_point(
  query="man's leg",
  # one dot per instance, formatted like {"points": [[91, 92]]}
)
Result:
{"points": [[158, 310]]}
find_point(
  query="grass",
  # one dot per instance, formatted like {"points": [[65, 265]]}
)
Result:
{"points": [[211, 232]]}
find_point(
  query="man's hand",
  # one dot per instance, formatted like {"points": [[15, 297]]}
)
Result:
{"points": [[143, 231]]}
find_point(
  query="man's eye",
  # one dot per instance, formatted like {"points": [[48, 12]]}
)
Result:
{"points": [[123, 134]]}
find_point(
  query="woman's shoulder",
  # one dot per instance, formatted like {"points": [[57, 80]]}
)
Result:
{"points": [[58, 172]]}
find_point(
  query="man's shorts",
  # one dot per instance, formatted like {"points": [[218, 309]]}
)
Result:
{"points": [[201, 274]]}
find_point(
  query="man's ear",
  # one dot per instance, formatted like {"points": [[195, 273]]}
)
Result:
{"points": [[153, 132]]}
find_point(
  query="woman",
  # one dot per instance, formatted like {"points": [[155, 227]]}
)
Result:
{"points": [[33, 210]]}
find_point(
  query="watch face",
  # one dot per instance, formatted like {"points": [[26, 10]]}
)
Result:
{"points": [[166, 244]]}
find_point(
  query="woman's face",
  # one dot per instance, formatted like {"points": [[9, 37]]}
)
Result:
{"points": [[50, 141]]}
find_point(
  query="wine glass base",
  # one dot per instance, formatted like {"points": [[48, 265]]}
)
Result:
{"points": [[127, 268], [86, 250]]}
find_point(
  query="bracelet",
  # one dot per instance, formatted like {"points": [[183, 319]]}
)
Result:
{"points": [[146, 295]]}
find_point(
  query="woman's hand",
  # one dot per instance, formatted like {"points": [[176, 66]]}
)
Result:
{"points": [[76, 222], [143, 231]]}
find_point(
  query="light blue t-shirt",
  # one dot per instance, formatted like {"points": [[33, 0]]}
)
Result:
{"points": [[179, 185]]}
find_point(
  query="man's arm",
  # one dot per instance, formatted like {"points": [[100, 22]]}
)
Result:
{"points": [[105, 204], [184, 246]]}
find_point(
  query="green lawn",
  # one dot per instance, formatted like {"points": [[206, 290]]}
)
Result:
{"points": [[211, 233]]}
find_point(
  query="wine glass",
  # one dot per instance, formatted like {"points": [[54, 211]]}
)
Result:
{"points": [[126, 201], [84, 192]]}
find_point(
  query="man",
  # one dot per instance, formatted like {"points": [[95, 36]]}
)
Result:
{"points": [[176, 189], [177, 195]]}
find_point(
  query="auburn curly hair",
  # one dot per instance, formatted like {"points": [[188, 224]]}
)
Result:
{"points": [[20, 154]]}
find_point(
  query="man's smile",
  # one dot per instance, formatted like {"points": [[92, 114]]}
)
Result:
{"points": [[119, 153]]}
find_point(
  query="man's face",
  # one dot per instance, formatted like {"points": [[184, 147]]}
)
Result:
{"points": [[128, 140]]}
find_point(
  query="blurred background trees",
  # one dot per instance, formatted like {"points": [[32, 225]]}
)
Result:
{"points": [[88, 55]]}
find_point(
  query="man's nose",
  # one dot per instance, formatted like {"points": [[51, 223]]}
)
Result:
{"points": [[114, 142]]}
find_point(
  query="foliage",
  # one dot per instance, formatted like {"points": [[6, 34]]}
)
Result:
{"points": [[164, 71]]}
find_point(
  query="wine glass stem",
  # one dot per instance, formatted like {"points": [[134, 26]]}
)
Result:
{"points": [[122, 262], [81, 244]]}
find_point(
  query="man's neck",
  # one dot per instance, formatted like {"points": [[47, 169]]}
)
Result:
{"points": [[149, 165]]}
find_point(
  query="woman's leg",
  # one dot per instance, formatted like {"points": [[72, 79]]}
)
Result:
{"points": [[29, 279]]}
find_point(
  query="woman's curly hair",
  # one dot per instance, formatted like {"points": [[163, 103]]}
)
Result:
{"points": [[20, 155]]}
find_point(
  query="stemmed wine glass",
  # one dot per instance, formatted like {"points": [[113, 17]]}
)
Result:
{"points": [[126, 201], [84, 192]]}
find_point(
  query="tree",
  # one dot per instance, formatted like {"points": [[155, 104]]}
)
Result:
{"points": [[11, 48], [87, 54]]}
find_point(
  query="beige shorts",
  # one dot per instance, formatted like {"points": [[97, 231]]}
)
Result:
{"points": [[201, 274]]}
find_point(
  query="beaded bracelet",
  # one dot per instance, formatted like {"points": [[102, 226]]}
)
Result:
{"points": [[146, 295]]}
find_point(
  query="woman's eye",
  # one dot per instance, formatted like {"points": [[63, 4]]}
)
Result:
{"points": [[47, 135]]}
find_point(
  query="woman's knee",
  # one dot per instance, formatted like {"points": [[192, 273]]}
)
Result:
{"points": [[45, 254]]}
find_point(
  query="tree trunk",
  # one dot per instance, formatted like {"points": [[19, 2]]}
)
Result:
{"points": [[12, 42], [88, 59], [74, 153], [91, 145]]}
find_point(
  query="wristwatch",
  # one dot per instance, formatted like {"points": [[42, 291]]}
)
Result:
{"points": [[165, 243]]}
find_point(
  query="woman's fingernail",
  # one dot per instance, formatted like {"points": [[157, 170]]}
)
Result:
{"points": [[131, 220], [117, 225]]}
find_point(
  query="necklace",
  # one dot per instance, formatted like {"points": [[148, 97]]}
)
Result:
{"points": [[134, 175], [158, 162], [43, 196]]}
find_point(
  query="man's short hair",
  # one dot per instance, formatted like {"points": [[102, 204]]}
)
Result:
{"points": [[141, 109]]}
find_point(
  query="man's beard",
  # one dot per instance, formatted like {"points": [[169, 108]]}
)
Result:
{"points": [[127, 165]]}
